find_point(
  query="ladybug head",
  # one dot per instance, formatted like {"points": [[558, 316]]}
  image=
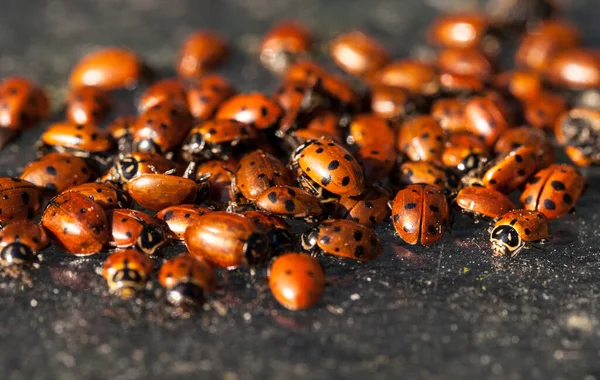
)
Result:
{"points": [[257, 249], [127, 167], [186, 294], [310, 238], [17, 254], [506, 241], [151, 238], [126, 282]]}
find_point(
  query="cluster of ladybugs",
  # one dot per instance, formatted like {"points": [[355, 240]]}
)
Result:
{"points": [[223, 170]]}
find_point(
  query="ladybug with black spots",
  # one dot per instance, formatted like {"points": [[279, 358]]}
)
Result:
{"points": [[487, 116], [179, 217], [449, 113], [164, 90], [481, 202], [512, 170], [290, 202], [422, 172], [377, 160], [22, 103], [130, 228], [369, 209], [106, 194], [553, 191], [58, 171], [127, 272], [129, 166], [187, 279], [370, 129], [459, 147], [514, 138], [254, 109], [19, 199], [297, 280], [20, 242], [277, 230], [421, 139], [343, 238], [518, 229], [207, 94], [326, 168], [217, 139], [420, 214], [87, 105]]}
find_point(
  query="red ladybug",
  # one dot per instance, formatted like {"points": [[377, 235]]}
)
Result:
{"points": [[471, 62], [20, 241], [58, 171], [256, 172], [392, 103], [343, 238], [512, 170], [161, 128], [217, 139], [543, 111], [524, 85], [575, 68], [514, 138], [297, 100], [107, 195], [131, 228], [22, 103], [369, 209], [165, 90], [323, 164], [369, 129], [207, 94], [77, 223], [483, 202], [461, 145], [420, 213], [460, 85], [421, 139], [422, 172], [518, 229], [449, 113], [130, 166], [87, 105], [19, 199], [284, 44], [227, 240], [377, 160], [158, 191], [290, 202], [278, 231], [187, 280], [202, 51], [553, 191], [414, 76], [253, 108], [487, 116], [297, 280], [179, 217], [358, 54], [467, 29], [127, 272], [108, 69], [77, 139]]}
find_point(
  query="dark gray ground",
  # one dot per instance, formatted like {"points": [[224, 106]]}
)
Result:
{"points": [[448, 312]]}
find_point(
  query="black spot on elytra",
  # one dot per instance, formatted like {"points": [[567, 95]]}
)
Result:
{"points": [[333, 165], [326, 180], [272, 197], [358, 235], [348, 157], [51, 186], [25, 197], [432, 230], [567, 199], [521, 172], [558, 185], [408, 228], [291, 192], [187, 215], [527, 232], [518, 158], [262, 175], [319, 151], [359, 251], [264, 111], [212, 131], [528, 199], [51, 170], [425, 135], [83, 210], [549, 204], [493, 181], [372, 219], [345, 181], [434, 208], [289, 204], [325, 239], [337, 229], [128, 234], [410, 206], [535, 180]]}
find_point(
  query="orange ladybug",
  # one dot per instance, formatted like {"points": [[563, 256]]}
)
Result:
{"points": [[170, 90], [414, 76], [22, 103], [512, 170], [130, 228], [483, 202], [127, 272], [253, 108], [518, 229], [358, 54], [421, 139], [202, 51], [187, 280], [297, 280], [58, 171], [207, 94], [285, 43], [107, 195], [179, 217], [20, 241], [158, 191], [108, 69], [19, 199], [290, 202], [87, 105]]}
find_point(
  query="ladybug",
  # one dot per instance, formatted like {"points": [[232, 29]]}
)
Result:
{"points": [[169, 90], [158, 191], [483, 202], [253, 108], [377, 161], [514, 138], [256, 172], [207, 94], [553, 191], [369, 129], [19, 199], [420, 213], [581, 155], [217, 139], [58, 171], [296, 280], [202, 51], [77, 139], [358, 54], [20, 241], [161, 128], [542, 112], [297, 100], [285, 43], [462, 30], [460, 85], [470, 62], [131, 228], [323, 164], [343, 238], [449, 113], [369, 209], [278, 231], [487, 116], [130, 166], [539, 45], [421, 139], [187, 280], [512, 170], [107, 195], [87, 105], [516, 230], [127, 272], [414, 76], [461, 146], [290, 202], [227, 240], [524, 85], [179, 217], [22, 103], [108, 69], [221, 174], [576, 68], [392, 103], [121, 129], [77, 223], [422, 172]]}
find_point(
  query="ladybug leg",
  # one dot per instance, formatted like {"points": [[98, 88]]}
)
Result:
{"points": [[189, 171]]}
